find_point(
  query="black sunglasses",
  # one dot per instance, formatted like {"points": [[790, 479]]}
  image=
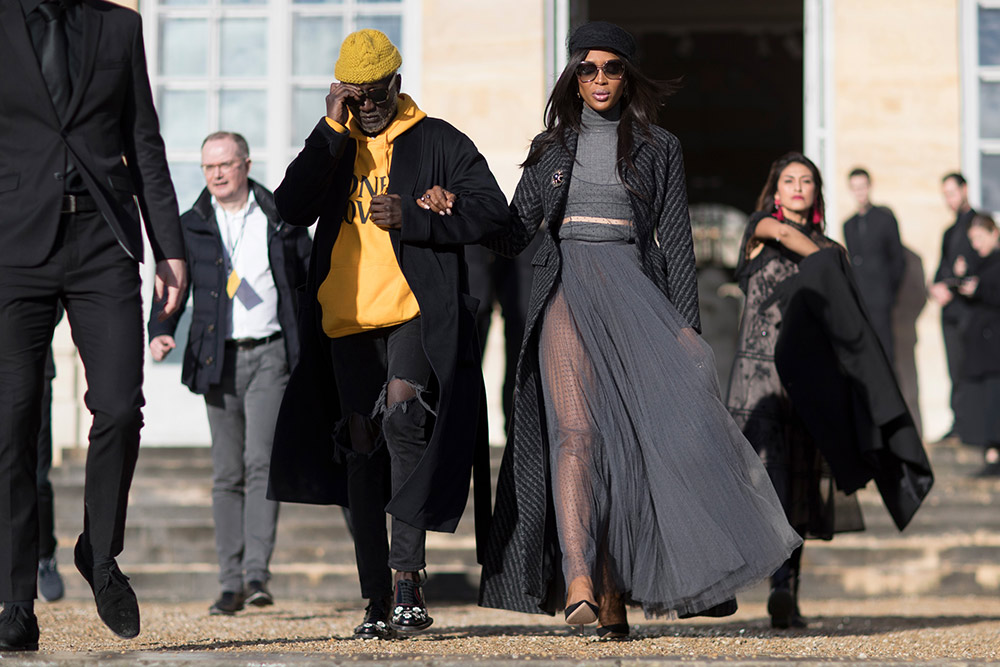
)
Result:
{"points": [[376, 95], [587, 71]]}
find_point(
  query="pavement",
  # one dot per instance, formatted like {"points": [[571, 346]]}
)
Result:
{"points": [[910, 630]]}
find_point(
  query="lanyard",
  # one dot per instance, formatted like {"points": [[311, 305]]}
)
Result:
{"points": [[232, 245]]}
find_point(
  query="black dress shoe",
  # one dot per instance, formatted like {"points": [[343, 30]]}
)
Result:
{"points": [[409, 612], [583, 612], [784, 610], [18, 630], [613, 632], [116, 602], [258, 595], [376, 623], [228, 604]]}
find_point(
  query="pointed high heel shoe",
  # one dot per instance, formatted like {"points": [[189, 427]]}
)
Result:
{"points": [[583, 612]]}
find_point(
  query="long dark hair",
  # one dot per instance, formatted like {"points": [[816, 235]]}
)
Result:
{"points": [[765, 202], [640, 104]]}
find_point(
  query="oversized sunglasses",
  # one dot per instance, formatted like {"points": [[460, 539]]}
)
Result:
{"points": [[587, 71], [376, 95]]}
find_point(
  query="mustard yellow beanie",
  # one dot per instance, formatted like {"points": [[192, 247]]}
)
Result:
{"points": [[366, 56]]}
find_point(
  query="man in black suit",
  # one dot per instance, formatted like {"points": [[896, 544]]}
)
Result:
{"points": [[957, 259], [872, 237], [79, 145]]}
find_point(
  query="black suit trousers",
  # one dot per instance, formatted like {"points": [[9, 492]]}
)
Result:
{"points": [[99, 285]]}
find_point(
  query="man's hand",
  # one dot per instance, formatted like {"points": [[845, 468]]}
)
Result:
{"points": [[336, 101], [386, 211], [437, 199], [160, 347], [171, 279], [968, 286], [961, 266], [941, 294]]}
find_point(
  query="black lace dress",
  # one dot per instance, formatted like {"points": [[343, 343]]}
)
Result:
{"points": [[761, 407]]}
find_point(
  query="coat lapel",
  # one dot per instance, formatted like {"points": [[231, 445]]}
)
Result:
{"points": [[12, 23], [92, 21]]}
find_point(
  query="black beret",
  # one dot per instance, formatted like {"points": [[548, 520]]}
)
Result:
{"points": [[602, 35]]}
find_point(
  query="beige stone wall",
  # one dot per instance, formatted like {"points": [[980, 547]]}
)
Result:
{"points": [[897, 113], [483, 71]]}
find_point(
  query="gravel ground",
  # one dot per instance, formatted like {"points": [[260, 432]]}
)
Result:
{"points": [[941, 631]]}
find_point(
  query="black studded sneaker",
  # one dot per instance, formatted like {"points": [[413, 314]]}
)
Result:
{"points": [[376, 623], [409, 613]]}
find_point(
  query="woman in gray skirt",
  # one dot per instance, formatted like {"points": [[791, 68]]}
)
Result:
{"points": [[624, 481]]}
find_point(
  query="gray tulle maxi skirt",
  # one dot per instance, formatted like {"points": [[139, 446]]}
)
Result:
{"points": [[658, 496]]}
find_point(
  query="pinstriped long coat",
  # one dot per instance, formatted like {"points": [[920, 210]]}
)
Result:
{"points": [[522, 564]]}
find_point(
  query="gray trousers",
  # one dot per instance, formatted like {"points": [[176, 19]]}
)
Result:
{"points": [[242, 411]]}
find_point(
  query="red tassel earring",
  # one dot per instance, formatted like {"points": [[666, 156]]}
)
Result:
{"points": [[779, 215], [817, 215]]}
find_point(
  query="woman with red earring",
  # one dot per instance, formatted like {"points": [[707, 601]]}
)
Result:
{"points": [[787, 227]]}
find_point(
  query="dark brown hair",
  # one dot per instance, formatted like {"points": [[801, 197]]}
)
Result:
{"points": [[983, 221], [765, 202]]}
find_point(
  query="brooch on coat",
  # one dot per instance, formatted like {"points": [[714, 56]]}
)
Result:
{"points": [[558, 178]]}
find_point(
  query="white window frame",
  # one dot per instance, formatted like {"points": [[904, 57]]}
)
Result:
{"points": [[819, 125], [279, 82], [973, 145]]}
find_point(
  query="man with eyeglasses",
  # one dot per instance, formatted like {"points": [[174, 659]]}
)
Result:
{"points": [[390, 362], [245, 265]]}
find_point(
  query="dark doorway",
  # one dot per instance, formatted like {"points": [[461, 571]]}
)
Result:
{"points": [[740, 105]]}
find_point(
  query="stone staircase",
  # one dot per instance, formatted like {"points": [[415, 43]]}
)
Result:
{"points": [[952, 547]]}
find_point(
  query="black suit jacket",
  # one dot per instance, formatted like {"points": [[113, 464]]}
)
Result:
{"points": [[110, 132], [876, 255], [956, 243]]}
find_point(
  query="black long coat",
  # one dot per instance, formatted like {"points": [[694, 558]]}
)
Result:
{"points": [[844, 388], [429, 249], [982, 333], [522, 545], [876, 253], [288, 254]]}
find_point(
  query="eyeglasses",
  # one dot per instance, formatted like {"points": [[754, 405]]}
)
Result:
{"points": [[587, 71], [223, 166], [376, 95]]}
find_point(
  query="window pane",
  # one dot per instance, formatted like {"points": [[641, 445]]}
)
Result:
{"points": [[316, 44], [258, 172], [392, 26], [308, 107], [244, 2], [183, 118], [989, 110], [244, 47], [314, 2], [379, 2], [989, 36], [245, 111], [991, 182], [188, 182], [183, 47]]}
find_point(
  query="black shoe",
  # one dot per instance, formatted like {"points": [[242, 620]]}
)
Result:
{"points": [[376, 623], [727, 608], [116, 602], [409, 613], [18, 630], [50, 584], [228, 604], [613, 631], [258, 595], [784, 610]]}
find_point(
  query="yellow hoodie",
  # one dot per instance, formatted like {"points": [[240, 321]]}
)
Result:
{"points": [[365, 288]]}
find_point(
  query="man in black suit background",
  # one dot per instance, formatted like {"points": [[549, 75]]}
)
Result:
{"points": [[872, 238], [79, 146], [958, 259]]}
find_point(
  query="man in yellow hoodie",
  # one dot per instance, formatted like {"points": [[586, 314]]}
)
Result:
{"points": [[389, 370]]}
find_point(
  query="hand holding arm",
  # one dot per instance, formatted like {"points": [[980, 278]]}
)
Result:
{"points": [[770, 229], [438, 200]]}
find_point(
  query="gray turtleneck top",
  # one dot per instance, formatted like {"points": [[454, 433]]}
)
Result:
{"points": [[594, 188]]}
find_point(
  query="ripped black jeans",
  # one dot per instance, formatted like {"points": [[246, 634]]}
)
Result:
{"points": [[388, 407]]}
